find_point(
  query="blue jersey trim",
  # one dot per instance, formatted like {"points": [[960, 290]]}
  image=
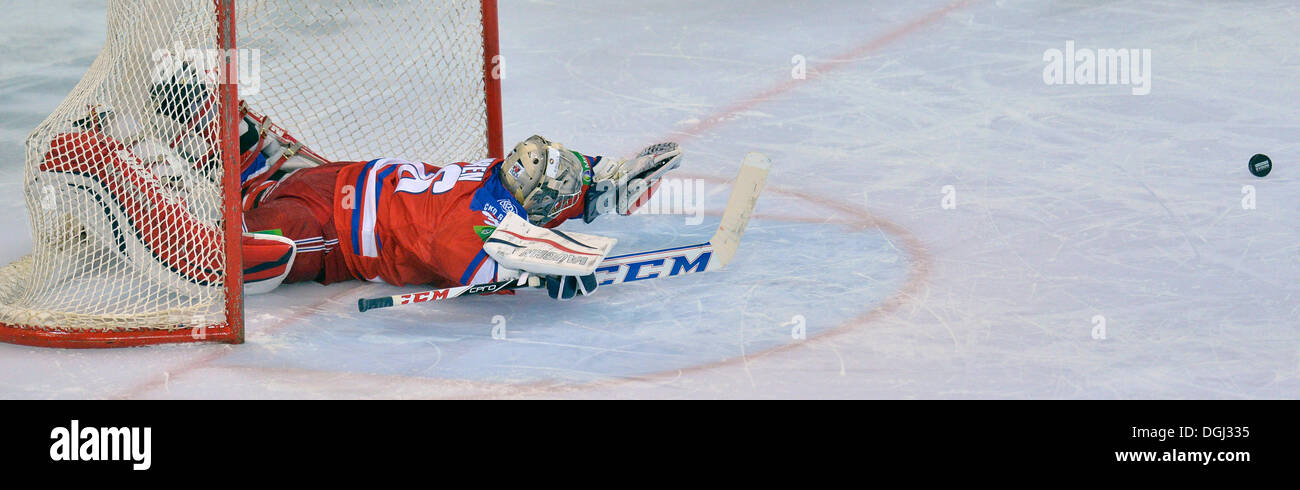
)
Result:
{"points": [[473, 267], [359, 198], [257, 165], [379, 192]]}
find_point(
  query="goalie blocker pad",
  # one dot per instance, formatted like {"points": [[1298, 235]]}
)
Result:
{"points": [[518, 244]]}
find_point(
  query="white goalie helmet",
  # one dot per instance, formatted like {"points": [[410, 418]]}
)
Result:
{"points": [[545, 177]]}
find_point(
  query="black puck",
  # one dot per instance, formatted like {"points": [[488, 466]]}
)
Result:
{"points": [[1260, 165]]}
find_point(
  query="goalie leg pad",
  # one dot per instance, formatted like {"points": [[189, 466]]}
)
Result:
{"points": [[267, 261], [133, 212]]}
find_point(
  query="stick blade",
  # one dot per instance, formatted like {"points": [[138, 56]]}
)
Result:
{"points": [[740, 206]]}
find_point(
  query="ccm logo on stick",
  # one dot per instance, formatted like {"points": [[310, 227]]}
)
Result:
{"points": [[652, 268], [424, 296]]}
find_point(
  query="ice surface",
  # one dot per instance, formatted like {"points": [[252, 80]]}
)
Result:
{"points": [[1072, 202]]}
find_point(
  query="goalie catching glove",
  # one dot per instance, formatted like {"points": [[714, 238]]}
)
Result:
{"points": [[624, 186]]}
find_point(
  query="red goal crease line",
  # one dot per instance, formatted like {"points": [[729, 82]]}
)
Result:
{"points": [[726, 113]]}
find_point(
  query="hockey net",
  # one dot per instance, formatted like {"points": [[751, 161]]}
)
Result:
{"points": [[131, 184]]}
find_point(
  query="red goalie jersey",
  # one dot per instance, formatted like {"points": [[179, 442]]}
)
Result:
{"points": [[392, 220], [413, 223]]}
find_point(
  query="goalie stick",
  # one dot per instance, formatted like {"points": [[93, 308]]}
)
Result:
{"points": [[712, 255]]}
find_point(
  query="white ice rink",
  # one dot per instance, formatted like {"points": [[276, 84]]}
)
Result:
{"points": [[1075, 205]]}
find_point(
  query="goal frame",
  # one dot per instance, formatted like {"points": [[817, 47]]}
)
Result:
{"points": [[232, 330]]}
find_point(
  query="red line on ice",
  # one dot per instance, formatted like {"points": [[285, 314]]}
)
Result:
{"points": [[819, 70]]}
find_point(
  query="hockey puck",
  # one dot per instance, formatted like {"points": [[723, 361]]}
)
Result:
{"points": [[1260, 165]]}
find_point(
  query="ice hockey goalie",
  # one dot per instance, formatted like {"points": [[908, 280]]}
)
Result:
{"points": [[307, 218]]}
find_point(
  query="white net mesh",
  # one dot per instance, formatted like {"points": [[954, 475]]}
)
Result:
{"points": [[123, 180], [363, 80]]}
